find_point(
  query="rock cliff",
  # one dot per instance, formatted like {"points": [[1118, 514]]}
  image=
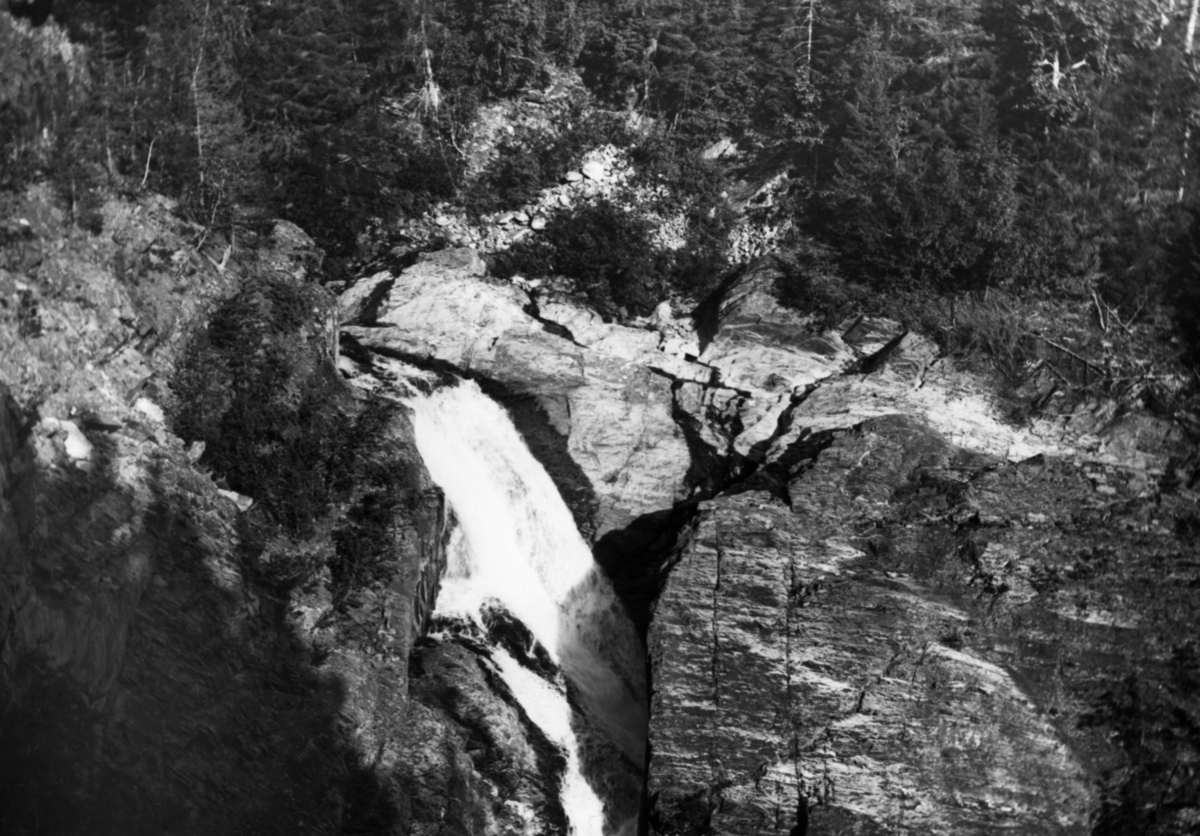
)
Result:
{"points": [[868, 593], [873, 602], [151, 681]]}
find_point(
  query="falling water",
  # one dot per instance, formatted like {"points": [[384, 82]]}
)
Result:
{"points": [[517, 546]]}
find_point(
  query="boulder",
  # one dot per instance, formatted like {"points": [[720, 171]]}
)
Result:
{"points": [[595, 170], [723, 147]]}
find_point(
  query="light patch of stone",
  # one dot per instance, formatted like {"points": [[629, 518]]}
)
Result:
{"points": [[149, 409]]}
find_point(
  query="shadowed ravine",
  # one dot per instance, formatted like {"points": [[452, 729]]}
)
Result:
{"points": [[517, 549]]}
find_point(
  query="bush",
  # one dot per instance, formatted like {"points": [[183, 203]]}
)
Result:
{"points": [[610, 250], [254, 389], [607, 250], [809, 281], [993, 330], [258, 388]]}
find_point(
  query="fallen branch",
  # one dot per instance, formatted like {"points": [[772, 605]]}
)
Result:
{"points": [[1057, 373], [149, 156], [1100, 306], [1066, 350], [1135, 315], [223, 263]]}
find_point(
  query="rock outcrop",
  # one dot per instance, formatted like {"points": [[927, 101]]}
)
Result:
{"points": [[601, 387], [151, 681], [927, 640], [889, 604], [872, 602]]}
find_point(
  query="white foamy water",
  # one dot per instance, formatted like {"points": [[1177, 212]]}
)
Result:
{"points": [[517, 546], [548, 708]]}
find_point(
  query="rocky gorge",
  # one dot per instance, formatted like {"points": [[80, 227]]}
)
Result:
{"points": [[866, 592], [869, 599], [418, 549]]}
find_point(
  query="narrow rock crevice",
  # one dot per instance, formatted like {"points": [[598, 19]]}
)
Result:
{"points": [[369, 313], [711, 470], [549, 325], [639, 558], [783, 425], [713, 382], [714, 626]]}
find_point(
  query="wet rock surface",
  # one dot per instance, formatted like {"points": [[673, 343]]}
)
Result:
{"points": [[487, 768]]}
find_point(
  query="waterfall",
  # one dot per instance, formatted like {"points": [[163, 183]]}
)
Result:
{"points": [[517, 548]]}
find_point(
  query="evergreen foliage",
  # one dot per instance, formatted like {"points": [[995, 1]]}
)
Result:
{"points": [[263, 406], [608, 250], [278, 424], [1040, 146]]}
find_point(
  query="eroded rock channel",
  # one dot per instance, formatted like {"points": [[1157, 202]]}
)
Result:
{"points": [[869, 601]]}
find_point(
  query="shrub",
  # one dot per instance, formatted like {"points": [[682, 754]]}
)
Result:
{"points": [[609, 249], [809, 281], [606, 249], [253, 388], [280, 426], [994, 329]]}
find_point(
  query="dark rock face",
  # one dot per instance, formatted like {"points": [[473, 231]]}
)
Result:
{"points": [[148, 682], [477, 763], [927, 641]]}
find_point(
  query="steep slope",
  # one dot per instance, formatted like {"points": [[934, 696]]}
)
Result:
{"points": [[153, 680]]}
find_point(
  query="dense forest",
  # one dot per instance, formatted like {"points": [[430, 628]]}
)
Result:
{"points": [[1029, 149]]}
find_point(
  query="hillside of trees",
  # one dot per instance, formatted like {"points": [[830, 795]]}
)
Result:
{"points": [[1035, 148]]}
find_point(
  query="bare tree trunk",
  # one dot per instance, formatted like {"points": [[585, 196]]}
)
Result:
{"points": [[1191, 27], [196, 93], [812, 4], [1189, 44]]}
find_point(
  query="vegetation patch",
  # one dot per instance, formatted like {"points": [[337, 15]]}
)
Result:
{"points": [[257, 388]]}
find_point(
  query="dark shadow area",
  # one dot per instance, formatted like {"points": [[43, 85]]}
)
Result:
{"points": [[638, 558], [36, 12], [707, 315], [147, 688], [709, 470]]}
